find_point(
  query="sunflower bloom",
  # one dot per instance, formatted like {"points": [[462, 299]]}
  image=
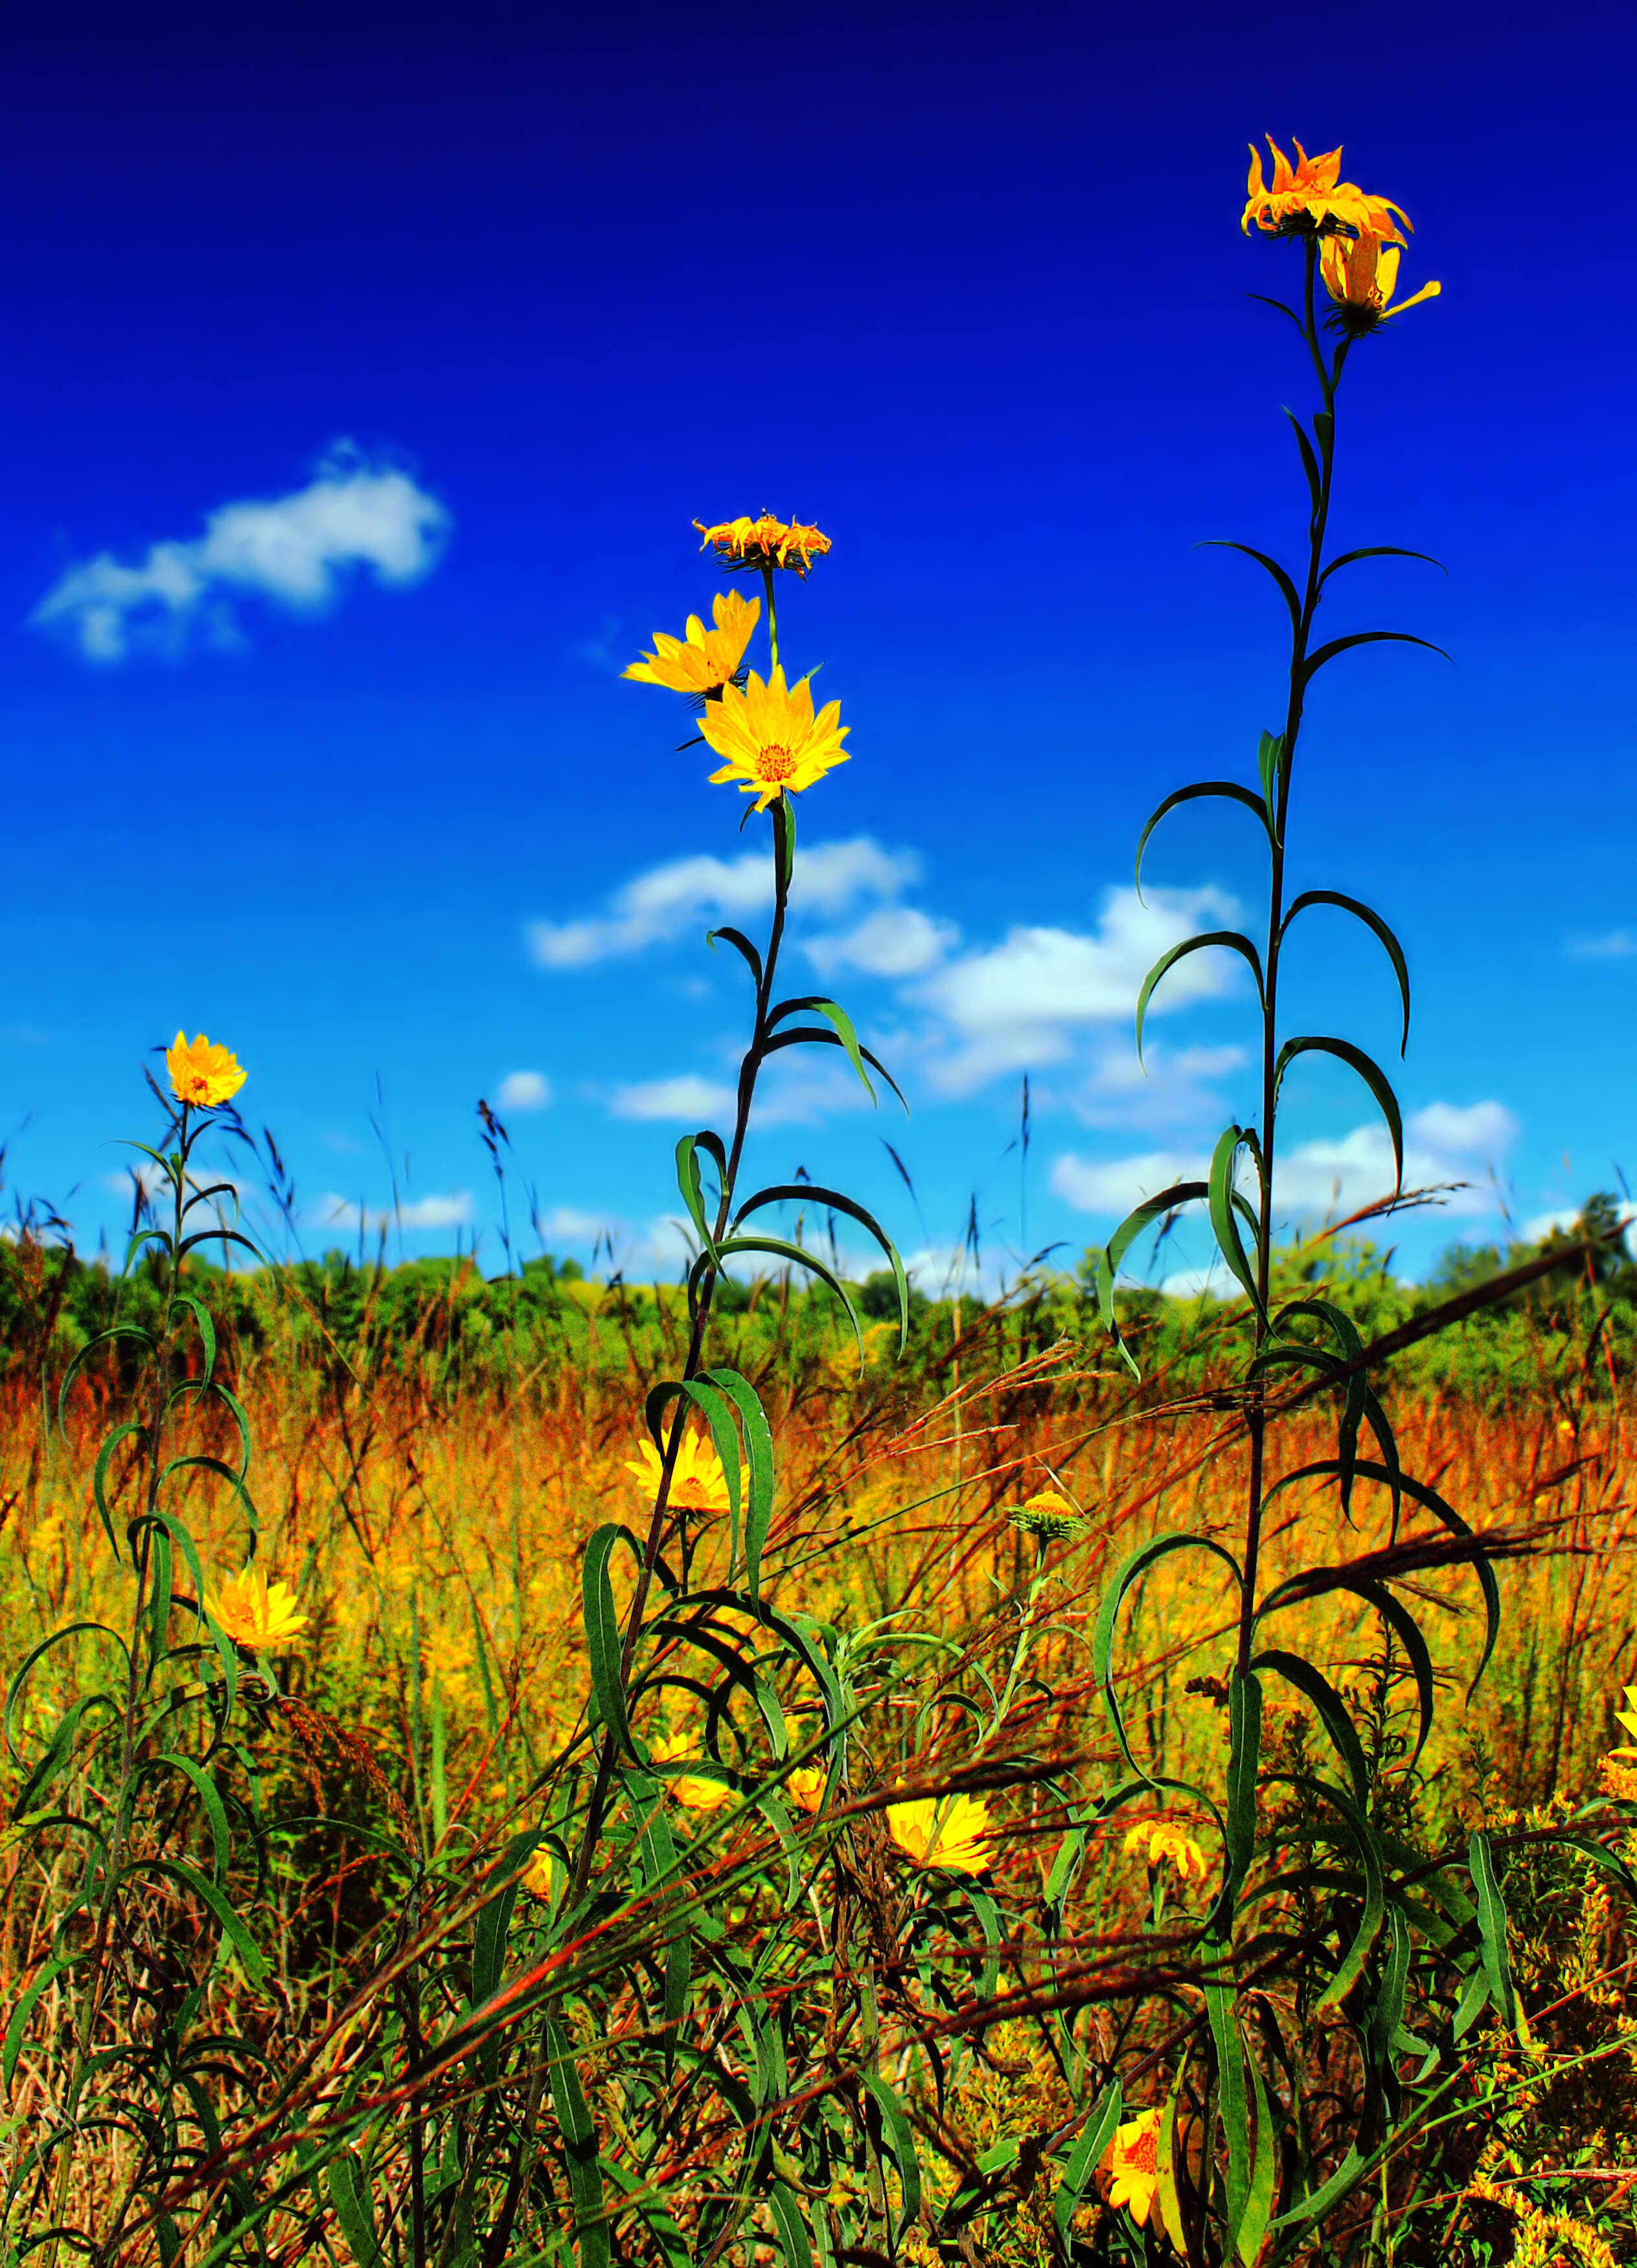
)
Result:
{"points": [[702, 661], [695, 1792], [805, 1787], [1131, 2165], [1049, 1516], [1308, 199], [771, 739], [203, 1073], [1165, 1839], [953, 1834], [766, 542], [1360, 278], [536, 1877], [698, 1483], [255, 1612]]}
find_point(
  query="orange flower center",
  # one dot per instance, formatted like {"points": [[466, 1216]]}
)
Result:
{"points": [[775, 763], [1143, 2155]]}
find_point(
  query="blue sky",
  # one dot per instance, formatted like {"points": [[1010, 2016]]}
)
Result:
{"points": [[368, 368]]}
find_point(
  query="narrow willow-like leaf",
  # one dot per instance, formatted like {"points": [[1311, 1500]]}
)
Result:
{"points": [[1368, 1071], [350, 2199], [1309, 463], [1145, 1556], [1492, 1927], [901, 2141], [1231, 939], [1229, 791], [1314, 662], [1381, 551], [1287, 589], [713, 1406], [1084, 2160], [23, 2008], [1224, 1225], [778, 1248], [1316, 1581], [602, 1632], [1320, 2201], [1258, 2202], [1314, 1686], [1270, 755], [787, 2218], [759, 1454], [1108, 1261], [1232, 2108], [813, 1193], [579, 2136], [807, 1035], [690, 1183], [1372, 922], [742, 945], [1244, 1752]]}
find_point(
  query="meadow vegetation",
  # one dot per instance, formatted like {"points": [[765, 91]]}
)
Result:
{"points": [[521, 1769]]}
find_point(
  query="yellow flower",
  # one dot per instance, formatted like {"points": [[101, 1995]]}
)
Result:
{"points": [[806, 1785], [1360, 278], [203, 1073], [694, 1791], [698, 1483], [1165, 1839], [1627, 1719], [1131, 2163], [255, 1612], [703, 660], [1049, 1516], [766, 542], [1306, 199], [952, 1834], [771, 739], [536, 1877]]}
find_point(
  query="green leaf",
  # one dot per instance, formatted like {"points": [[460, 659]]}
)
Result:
{"points": [[1420, 1493], [805, 1035], [1230, 938], [602, 1631], [900, 2142], [1216, 1983], [1320, 2201], [84, 1355], [1258, 2202], [349, 2197], [1314, 662], [1245, 1723], [742, 945], [579, 2135], [1380, 551], [1084, 2159], [1370, 1072], [1387, 2012], [1270, 755], [1372, 922], [787, 2218], [1145, 1556], [1315, 1581], [209, 1796], [1314, 1686], [812, 1193], [778, 1248], [1224, 1224], [714, 1407], [1108, 1261], [758, 1456], [1491, 1928], [1287, 588], [1309, 463], [23, 2008], [1229, 791], [226, 1915], [691, 1185], [207, 1332], [1354, 1381]]}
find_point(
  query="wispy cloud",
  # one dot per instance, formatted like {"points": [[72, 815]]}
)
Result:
{"points": [[1614, 945], [686, 1097], [297, 550], [1017, 1006], [451, 1212], [523, 1090], [688, 894], [893, 941], [1445, 1143]]}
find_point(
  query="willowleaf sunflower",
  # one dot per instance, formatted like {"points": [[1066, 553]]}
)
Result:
{"points": [[766, 542], [202, 1072], [702, 661], [1309, 199], [953, 1833], [770, 738], [698, 1483], [1131, 2165], [1165, 1839], [1360, 278], [255, 1612]]}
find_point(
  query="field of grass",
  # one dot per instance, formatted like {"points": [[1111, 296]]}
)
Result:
{"points": [[430, 1458]]}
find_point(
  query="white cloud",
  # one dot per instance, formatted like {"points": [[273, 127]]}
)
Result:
{"points": [[687, 1097], [1014, 1006], [452, 1211], [296, 549], [1171, 1086], [523, 1090], [1445, 1143], [568, 1225], [690, 894], [1542, 1224], [893, 941], [1616, 945], [1483, 1130], [1119, 1185]]}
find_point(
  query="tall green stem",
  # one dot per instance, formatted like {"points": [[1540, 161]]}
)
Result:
{"points": [[1329, 376]]}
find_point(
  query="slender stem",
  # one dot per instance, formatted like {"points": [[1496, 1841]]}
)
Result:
{"points": [[772, 618], [783, 846], [1329, 376]]}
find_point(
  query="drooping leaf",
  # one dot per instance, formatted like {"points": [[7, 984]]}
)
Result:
{"points": [[1231, 939], [1145, 1556], [1368, 1071], [602, 1631], [1083, 2160], [1287, 589], [1224, 1222], [811, 1193], [1372, 922], [1492, 1927], [1314, 662], [1230, 790]]}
